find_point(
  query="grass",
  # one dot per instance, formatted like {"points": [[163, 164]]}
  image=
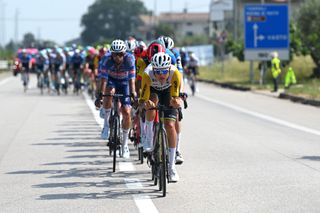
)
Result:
{"points": [[236, 72], [309, 89]]}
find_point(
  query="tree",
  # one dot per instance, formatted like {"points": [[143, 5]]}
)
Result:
{"points": [[309, 19], [110, 19], [11, 46], [164, 29], [29, 40]]}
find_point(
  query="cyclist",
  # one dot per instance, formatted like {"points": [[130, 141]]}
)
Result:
{"points": [[59, 66], [117, 72], [131, 45], [77, 65], [184, 57], [162, 78], [42, 66], [25, 60], [169, 44], [142, 62], [91, 68]]}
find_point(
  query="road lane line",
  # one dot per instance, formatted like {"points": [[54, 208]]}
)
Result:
{"points": [[6, 80], [143, 202], [262, 116]]}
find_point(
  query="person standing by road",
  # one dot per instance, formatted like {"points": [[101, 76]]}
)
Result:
{"points": [[276, 70]]}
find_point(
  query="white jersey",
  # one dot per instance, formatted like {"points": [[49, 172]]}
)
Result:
{"points": [[155, 83]]}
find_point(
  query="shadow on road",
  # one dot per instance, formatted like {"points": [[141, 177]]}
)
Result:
{"points": [[313, 158], [86, 164]]}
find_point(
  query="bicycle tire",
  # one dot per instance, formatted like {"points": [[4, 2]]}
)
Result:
{"points": [[140, 150], [115, 145], [163, 165], [41, 81]]}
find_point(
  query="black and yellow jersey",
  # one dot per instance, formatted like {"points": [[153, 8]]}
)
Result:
{"points": [[149, 80]]}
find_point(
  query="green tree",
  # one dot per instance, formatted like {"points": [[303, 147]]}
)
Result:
{"points": [[164, 29], [11, 46], [110, 19], [309, 19], [28, 40]]}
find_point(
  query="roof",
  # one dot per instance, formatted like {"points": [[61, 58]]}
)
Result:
{"points": [[183, 17], [146, 19]]}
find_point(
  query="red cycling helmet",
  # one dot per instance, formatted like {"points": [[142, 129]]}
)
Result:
{"points": [[155, 47]]}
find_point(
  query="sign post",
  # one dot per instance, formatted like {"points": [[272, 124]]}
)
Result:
{"points": [[266, 31]]}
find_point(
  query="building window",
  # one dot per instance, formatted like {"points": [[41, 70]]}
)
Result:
{"points": [[189, 24], [189, 33]]}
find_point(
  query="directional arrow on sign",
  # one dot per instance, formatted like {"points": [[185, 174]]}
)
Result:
{"points": [[256, 36], [255, 33]]}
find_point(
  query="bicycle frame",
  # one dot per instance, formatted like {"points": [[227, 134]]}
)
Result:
{"points": [[160, 152]]}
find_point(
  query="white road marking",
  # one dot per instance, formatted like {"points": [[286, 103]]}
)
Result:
{"points": [[143, 202], [262, 116]]}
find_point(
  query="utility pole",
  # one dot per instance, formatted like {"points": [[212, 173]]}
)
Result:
{"points": [[154, 17], [235, 20], [2, 22], [16, 27]]}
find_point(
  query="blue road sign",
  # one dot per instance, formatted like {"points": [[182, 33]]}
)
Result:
{"points": [[266, 30]]}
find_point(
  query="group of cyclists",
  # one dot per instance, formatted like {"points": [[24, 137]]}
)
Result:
{"points": [[61, 68], [144, 74]]}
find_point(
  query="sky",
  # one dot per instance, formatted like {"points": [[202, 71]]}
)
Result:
{"points": [[59, 20]]}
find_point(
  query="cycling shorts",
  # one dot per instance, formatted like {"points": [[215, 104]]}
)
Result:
{"points": [[164, 99], [121, 87]]}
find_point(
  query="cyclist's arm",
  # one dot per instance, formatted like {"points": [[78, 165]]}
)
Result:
{"points": [[175, 84], [30, 63], [145, 88]]}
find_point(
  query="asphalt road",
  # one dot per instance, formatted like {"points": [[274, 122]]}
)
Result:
{"points": [[243, 152]]}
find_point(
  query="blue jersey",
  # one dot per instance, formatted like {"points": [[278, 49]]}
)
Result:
{"points": [[109, 69], [24, 59], [77, 59], [173, 58], [176, 53]]}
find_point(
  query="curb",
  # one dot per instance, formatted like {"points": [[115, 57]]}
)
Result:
{"points": [[226, 85], [285, 96], [298, 99]]}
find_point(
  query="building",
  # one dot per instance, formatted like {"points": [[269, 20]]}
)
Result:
{"points": [[187, 24]]}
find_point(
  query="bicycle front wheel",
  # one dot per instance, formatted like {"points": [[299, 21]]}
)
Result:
{"points": [[114, 144], [163, 164]]}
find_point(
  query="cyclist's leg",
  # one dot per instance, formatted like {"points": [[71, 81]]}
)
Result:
{"points": [[107, 104], [126, 114], [170, 116], [149, 118], [179, 159]]}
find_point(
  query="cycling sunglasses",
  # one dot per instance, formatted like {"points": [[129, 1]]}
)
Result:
{"points": [[161, 71]]}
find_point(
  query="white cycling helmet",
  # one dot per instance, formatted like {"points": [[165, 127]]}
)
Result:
{"points": [[131, 45], [167, 41], [118, 46], [161, 61]]}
